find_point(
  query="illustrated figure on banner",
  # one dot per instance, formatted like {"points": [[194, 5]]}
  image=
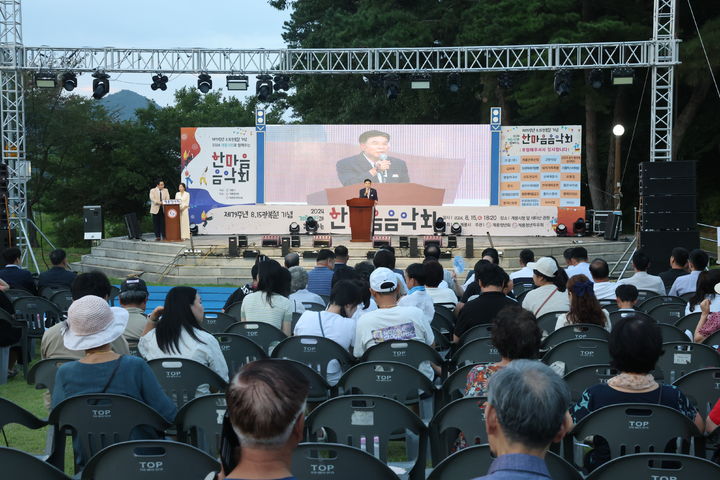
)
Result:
{"points": [[372, 162], [203, 179], [184, 198]]}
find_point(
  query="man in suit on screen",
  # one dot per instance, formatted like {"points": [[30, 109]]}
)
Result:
{"points": [[373, 162]]}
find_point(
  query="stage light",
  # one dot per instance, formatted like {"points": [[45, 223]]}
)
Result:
{"points": [[561, 230], [580, 227], [282, 82], [622, 76], [101, 85], [420, 81], [159, 81], [263, 88], [453, 82], [237, 82], [194, 229], [311, 226], [439, 225], [595, 78], [294, 228], [562, 83], [391, 84], [456, 229], [505, 80], [204, 83], [45, 80], [69, 81]]}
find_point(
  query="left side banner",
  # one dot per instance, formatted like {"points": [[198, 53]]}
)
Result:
{"points": [[219, 168]]}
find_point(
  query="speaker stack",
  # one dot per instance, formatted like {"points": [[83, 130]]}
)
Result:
{"points": [[668, 212]]}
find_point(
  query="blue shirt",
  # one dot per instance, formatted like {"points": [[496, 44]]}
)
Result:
{"points": [[419, 288], [320, 280], [684, 284], [517, 466]]}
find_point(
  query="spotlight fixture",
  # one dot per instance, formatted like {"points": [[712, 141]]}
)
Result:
{"points": [[263, 88], [311, 226], [505, 80], [69, 81], [194, 229], [622, 76], [595, 78], [561, 230], [294, 228], [580, 227], [45, 80], [439, 226], [456, 229], [391, 84], [453, 82], [282, 82], [204, 83], [237, 82], [101, 85], [159, 81], [420, 81], [562, 83]]}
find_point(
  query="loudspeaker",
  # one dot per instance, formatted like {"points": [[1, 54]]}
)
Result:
{"points": [[612, 227], [233, 246], [452, 241], [295, 241], [133, 227], [310, 254], [285, 245], [684, 221], [668, 203], [380, 241], [658, 246], [413, 247], [270, 241], [667, 178], [93, 220], [250, 253], [469, 250], [242, 241], [404, 242]]}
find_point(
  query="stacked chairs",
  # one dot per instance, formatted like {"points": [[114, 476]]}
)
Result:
{"points": [[217, 322], [573, 354], [182, 379], [264, 334], [579, 331], [238, 350], [199, 423], [681, 358], [312, 460]]}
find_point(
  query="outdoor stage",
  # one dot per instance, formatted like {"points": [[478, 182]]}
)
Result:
{"points": [[174, 263]]}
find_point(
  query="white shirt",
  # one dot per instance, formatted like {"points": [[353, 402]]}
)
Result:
{"points": [[306, 296], [359, 313], [581, 268], [559, 302], [525, 272], [207, 353], [441, 295], [255, 308], [604, 290], [645, 281], [562, 321], [421, 300], [396, 323], [378, 175], [714, 305], [685, 284], [335, 327]]}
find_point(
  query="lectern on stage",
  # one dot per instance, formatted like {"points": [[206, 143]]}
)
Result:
{"points": [[172, 220], [361, 218]]}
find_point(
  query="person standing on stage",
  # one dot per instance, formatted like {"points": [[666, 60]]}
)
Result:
{"points": [[368, 191], [372, 162], [157, 196], [184, 198]]}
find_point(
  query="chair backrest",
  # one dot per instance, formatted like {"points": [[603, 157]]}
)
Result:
{"points": [[578, 353], [264, 334], [334, 460], [522, 285], [295, 317], [42, 374], [681, 358], [466, 415], [99, 420], [217, 322], [313, 307], [643, 295], [688, 322], [712, 340], [547, 321], [150, 459], [315, 352], [179, 378], [238, 350], [114, 292], [11, 413], [443, 319], [234, 310], [409, 352], [320, 389], [581, 378], [49, 290], [39, 313], [15, 293], [656, 466], [687, 296], [454, 386], [199, 422], [349, 419], [441, 341], [575, 332], [619, 314], [520, 297], [609, 306], [19, 464], [478, 331], [635, 427], [671, 333], [394, 380], [481, 350], [62, 299], [667, 312], [653, 302], [702, 387]]}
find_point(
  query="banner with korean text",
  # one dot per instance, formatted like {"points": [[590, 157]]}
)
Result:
{"points": [[540, 166]]}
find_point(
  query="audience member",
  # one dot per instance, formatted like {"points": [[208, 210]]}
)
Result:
{"points": [[13, 274], [59, 275], [335, 323], [264, 421], [239, 294], [580, 265], [641, 279], [705, 290], [568, 257], [320, 277], [133, 298], [584, 307], [551, 282], [678, 267], [471, 290], [604, 289], [489, 255], [525, 273], [364, 269], [433, 277], [298, 286], [386, 258], [709, 319], [9, 336], [178, 333], [508, 286], [713, 419], [526, 411], [697, 261], [432, 252], [483, 309], [292, 259], [417, 296], [342, 255], [626, 297], [270, 303]]}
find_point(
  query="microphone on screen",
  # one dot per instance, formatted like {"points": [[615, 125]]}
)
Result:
{"points": [[384, 157]]}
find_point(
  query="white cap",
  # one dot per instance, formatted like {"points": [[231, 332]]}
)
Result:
{"points": [[546, 265], [383, 280]]}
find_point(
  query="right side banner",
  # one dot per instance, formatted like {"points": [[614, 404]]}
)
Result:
{"points": [[540, 166]]}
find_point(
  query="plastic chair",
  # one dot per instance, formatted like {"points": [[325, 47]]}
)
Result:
{"points": [[409, 352], [15, 293], [42, 374], [584, 377], [180, 378], [313, 307], [395, 380], [150, 459], [466, 415], [687, 296], [522, 296], [702, 387], [320, 389], [217, 322], [443, 320], [481, 350], [442, 344], [295, 317], [114, 293], [351, 418], [98, 420], [644, 295], [234, 311], [688, 322], [619, 314], [11, 413], [656, 466], [712, 340], [670, 333], [19, 464], [199, 423], [313, 460], [453, 387], [62, 299], [238, 350], [610, 307], [578, 331], [50, 290], [547, 321], [653, 302], [264, 334], [478, 331], [39, 313], [681, 358], [578, 353], [315, 352], [521, 285], [667, 312]]}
